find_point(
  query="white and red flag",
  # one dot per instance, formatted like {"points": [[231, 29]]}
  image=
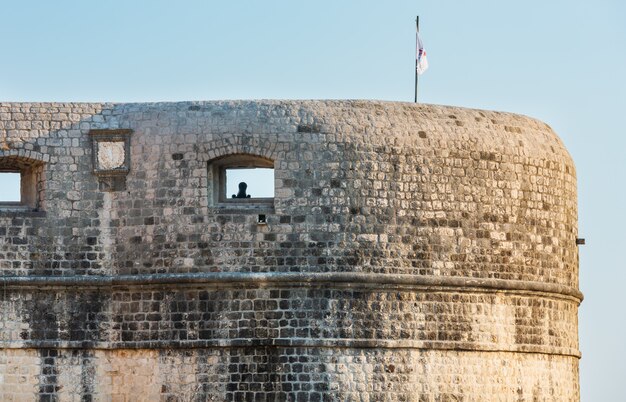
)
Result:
{"points": [[421, 63]]}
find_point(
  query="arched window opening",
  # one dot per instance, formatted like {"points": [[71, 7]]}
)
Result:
{"points": [[20, 182], [10, 185], [243, 179]]}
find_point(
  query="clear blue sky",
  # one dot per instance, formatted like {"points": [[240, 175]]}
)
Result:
{"points": [[560, 61]]}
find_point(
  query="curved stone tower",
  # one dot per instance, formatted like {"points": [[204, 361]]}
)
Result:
{"points": [[410, 253]]}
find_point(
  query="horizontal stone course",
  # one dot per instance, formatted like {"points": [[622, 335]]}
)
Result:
{"points": [[289, 374], [200, 316]]}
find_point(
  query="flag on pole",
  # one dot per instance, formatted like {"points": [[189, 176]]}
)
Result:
{"points": [[421, 63]]}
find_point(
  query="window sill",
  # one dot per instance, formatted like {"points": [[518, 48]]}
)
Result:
{"points": [[246, 201], [249, 205], [17, 209]]}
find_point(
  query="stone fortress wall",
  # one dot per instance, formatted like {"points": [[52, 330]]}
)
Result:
{"points": [[411, 253]]}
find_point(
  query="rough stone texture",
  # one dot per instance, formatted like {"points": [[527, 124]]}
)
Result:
{"points": [[411, 253], [282, 374]]}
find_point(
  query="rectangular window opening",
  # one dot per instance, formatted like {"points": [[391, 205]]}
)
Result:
{"points": [[10, 187], [249, 183]]}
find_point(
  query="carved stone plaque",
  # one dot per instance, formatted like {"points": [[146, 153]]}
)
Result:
{"points": [[111, 155]]}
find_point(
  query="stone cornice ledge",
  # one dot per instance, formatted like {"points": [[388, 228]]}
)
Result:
{"points": [[339, 279], [298, 343]]}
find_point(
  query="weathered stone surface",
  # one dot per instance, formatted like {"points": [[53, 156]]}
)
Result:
{"points": [[411, 253]]}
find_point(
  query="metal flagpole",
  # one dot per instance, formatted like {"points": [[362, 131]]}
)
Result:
{"points": [[417, 25]]}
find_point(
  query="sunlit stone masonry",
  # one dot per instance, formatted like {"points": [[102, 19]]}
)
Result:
{"points": [[384, 252]]}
